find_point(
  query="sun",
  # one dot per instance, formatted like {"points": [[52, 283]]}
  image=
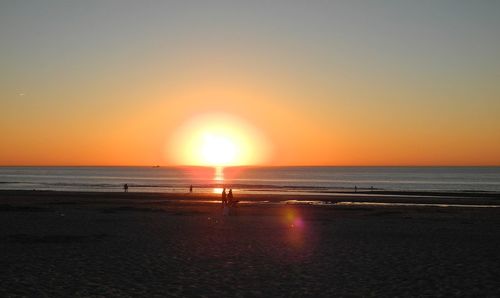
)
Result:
{"points": [[217, 139], [218, 149]]}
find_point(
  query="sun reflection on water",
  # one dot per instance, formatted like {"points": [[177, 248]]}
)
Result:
{"points": [[218, 179]]}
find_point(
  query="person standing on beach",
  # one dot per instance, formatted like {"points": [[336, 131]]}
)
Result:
{"points": [[230, 197], [224, 202], [191, 188], [225, 207], [125, 187], [231, 203]]}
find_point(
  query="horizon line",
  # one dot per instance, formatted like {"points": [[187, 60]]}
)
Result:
{"points": [[256, 166]]}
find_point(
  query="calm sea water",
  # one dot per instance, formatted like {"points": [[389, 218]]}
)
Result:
{"points": [[262, 179]]}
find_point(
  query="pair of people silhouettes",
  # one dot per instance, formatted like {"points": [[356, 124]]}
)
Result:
{"points": [[228, 201]]}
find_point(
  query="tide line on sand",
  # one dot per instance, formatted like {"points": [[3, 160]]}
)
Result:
{"points": [[416, 205]]}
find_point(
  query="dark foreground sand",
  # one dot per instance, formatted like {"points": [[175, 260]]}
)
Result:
{"points": [[145, 245]]}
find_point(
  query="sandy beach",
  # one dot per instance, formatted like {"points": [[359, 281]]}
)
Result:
{"points": [[62, 244]]}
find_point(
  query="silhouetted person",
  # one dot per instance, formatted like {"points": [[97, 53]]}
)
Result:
{"points": [[191, 188], [225, 207], [355, 188], [125, 187], [230, 197], [224, 201]]}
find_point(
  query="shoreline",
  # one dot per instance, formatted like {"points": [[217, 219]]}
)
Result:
{"points": [[376, 197]]}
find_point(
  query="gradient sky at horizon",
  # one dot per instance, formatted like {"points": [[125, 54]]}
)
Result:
{"points": [[327, 82]]}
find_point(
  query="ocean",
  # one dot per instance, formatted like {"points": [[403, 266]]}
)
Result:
{"points": [[317, 180]]}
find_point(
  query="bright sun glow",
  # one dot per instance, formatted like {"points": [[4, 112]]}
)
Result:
{"points": [[217, 140], [218, 149]]}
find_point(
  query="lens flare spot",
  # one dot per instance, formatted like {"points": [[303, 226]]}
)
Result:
{"points": [[292, 219]]}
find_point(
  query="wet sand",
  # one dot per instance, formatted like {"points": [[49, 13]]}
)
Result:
{"points": [[61, 244]]}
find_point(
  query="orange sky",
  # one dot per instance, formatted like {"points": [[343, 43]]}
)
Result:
{"points": [[348, 86], [130, 133]]}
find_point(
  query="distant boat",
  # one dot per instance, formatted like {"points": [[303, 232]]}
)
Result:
{"points": [[157, 166]]}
